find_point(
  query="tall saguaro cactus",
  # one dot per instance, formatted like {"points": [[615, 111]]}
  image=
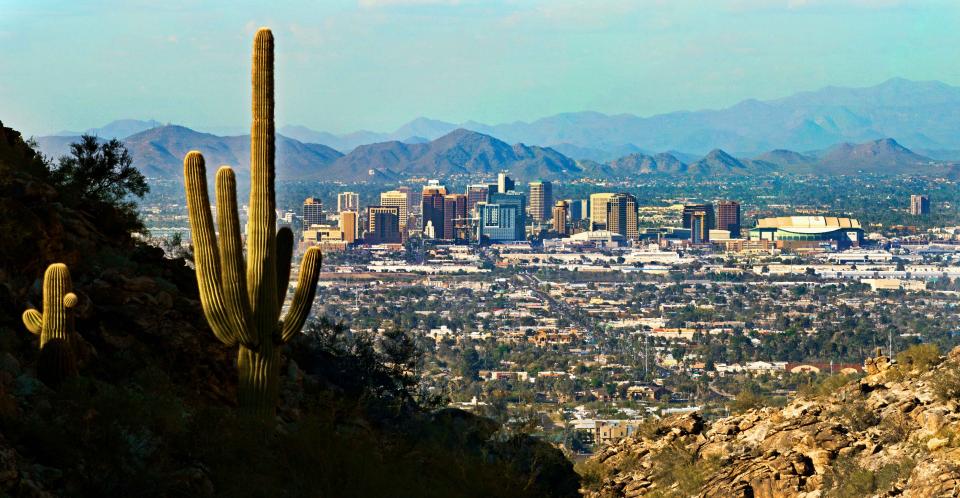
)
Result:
{"points": [[243, 307], [55, 325]]}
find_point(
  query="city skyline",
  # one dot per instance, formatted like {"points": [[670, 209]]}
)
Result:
{"points": [[755, 300]]}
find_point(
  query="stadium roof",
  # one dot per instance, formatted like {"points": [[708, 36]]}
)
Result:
{"points": [[595, 235], [815, 222]]}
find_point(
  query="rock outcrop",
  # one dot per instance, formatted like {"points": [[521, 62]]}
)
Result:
{"points": [[891, 433]]}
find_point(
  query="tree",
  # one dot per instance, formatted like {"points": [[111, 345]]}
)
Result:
{"points": [[100, 172], [100, 178], [402, 357], [469, 364]]}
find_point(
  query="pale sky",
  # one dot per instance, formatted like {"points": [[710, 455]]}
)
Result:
{"points": [[376, 64]]}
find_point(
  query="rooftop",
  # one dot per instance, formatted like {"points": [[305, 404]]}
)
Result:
{"points": [[808, 222]]}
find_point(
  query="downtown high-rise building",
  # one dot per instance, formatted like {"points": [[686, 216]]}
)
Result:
{"points": [[560, 215], [919, 205], [577, 209], [503, 218], [699, 219], [505, 184], [728, 217], [478, 193], [598, 210], [349, 226], [622, 216], [312, 212], [413, 200], [400, 200], [454, 215], [383, 225], [690, 209], [432, 210], [348, 201], [541, 201]]}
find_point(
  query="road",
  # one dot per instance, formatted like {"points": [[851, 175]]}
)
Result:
{"points": [[533, 283]]}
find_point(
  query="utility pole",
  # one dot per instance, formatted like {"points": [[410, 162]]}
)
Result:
{"points": [[646, 354], [890, 342]]}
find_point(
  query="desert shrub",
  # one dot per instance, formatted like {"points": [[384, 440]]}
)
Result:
{"points": [[680, 473], [946, 385], [847, 479], [747, 400], [895, 428], [920, 358], [591, 474], [648, 429], [858, 417], [826, 385]]}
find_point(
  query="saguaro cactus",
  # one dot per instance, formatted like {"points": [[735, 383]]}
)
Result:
{"points": [[243, 308], [55, 325]]}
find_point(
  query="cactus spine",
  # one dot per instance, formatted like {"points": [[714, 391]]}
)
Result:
{"points": [[55, 325], [241, 305]]}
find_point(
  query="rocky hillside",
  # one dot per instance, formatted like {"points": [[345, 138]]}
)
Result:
{"points": [[895, 432], [152, 413]]}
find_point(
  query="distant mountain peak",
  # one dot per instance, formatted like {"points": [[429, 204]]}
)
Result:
{"points": [[460, 151], [120, 128], [463, 133], [883, 155]]}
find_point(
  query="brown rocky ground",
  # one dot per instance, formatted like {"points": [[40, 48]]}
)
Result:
{"points": [[892, 433]]}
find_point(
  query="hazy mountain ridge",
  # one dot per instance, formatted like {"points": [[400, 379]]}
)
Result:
{"points": [[120, 128], [886, 153], [458, 152], [159, 152], [919, 114], [884, 156], [638, 163]]}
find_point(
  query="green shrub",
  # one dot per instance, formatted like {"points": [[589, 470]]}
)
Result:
{"points": [[946, 386], [858, 417], [826, 385], [920, 357], [678, 472], [591, 474], [747, 400], [846, 479]]}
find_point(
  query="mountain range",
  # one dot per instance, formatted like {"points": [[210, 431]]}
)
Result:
{"points": [[159, 153], [895, 127], [120, 128], [922, 115]]}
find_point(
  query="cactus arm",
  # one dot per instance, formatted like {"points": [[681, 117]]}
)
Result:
{"points": [[303, 296], [206, 258], [231, 257], [33, 320], [70, 300], [284, 256], [261, 229]]}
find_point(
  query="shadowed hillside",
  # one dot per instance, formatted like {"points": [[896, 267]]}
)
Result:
{"points": [[151, 412]]}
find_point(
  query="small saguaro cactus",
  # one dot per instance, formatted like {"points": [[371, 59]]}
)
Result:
{"points": [[55, 326], [243, 307]]}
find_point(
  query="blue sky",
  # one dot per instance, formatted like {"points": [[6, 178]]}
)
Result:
{"points": [[375, 64]]}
